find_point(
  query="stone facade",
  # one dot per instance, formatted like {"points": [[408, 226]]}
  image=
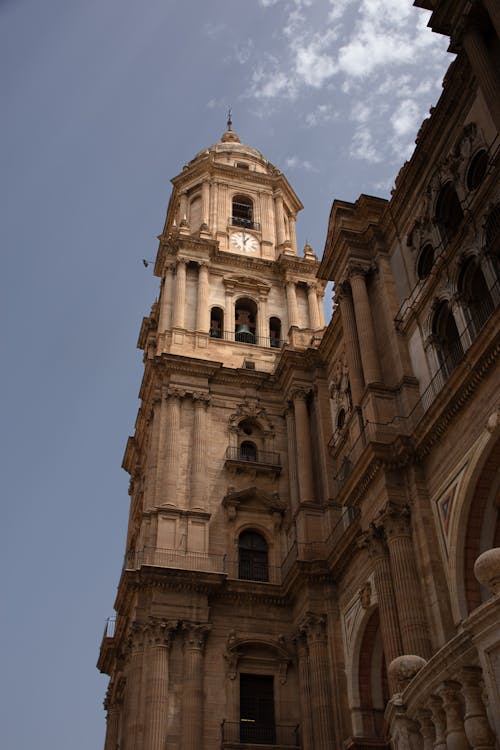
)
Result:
{"points": [[308, 502]]}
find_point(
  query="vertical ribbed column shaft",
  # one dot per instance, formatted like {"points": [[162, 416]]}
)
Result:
{"points": [[291, 299], [214, 200], [365, 328], [112, 726], [452, 705], [180, 294], [158, 636], [397, 527], [152, 452], [293, 234], [229, 319], [183, 207], [165, 299], [312, 299], [303, 446], [305, 694], [314, 628], [351, 346], [262, 323], [493, 9], [389, 625], [476, 725], [205, 201], [202, 311], [198, 460], [292, 457], [485, 71], [172, 446], [192, 708], [163, 420], [132, 712], [320, 294], [279, 219]]}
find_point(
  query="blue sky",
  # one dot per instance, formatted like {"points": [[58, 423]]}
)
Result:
{"points": [[103, 101]]}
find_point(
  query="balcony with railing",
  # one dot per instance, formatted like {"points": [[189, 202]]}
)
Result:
{"points": [[266, 461], [244, 222], [247, 734], [203, 562], [247, 337]]}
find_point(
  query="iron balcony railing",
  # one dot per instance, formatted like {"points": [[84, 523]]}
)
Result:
{"points": [[240, 221], [253, 570], [247, 337], [267, 458], [248, 732], [176, 559]]}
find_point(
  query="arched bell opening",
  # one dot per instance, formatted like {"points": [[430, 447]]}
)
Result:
{"points": [[275, 332], [447, 339], [449, 212], [242, 212], [245, 321], [475, 295], [216, 323]]}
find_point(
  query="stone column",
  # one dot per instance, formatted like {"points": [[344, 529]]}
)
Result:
{"points": [[304, 693], [364, 325], [373, 541], [262, 322], [160, 493], [291, 299], [180, 294], [158, 639], [396, 523], [320, 295], [435, 704], [205, 204], [280, 221], [192, 706], [183, 207], [484, 69], [202, 311], [171, 459], [293, 234], [198, 461], [229, 319], [351, 344], [166, 291], [132, 710], [303, 446], [214, 212], [493, 9], [477, 728], [292, 459], [314, 629], [151, 477], [427, 730], [112, 722], [312, 299], [455, 734]]}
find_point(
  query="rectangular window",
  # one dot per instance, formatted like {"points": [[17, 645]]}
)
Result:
{"points": [[257, 709]]}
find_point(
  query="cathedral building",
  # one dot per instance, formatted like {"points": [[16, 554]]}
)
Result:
{"points": [[313, 550]]}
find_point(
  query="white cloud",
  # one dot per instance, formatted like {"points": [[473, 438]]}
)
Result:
{"points": [[321, 114], [293, 162], [362, 147], [406, 118], [313, 67]]}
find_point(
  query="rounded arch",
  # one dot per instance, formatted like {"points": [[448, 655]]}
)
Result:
{"points": [[242, 211], [475, 294], [476, 169], [216, 322], [253, 556], [245, 320], [425, 261], [446, 337], [275, 332], [372, 677], [448, 212], [475, 523]]}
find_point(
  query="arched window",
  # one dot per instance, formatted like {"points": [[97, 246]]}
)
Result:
{"points": [[216, 323], [252, 557], [242, 212], [492, 238], [449, 212], [477, 169], [275, 332], [448, 344], [245, 321], [425, 261], [248, 451], [475, 295]]}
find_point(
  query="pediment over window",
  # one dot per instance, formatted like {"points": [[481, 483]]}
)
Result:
{"points": [[252, 498], [258, 648], [247, 284]]}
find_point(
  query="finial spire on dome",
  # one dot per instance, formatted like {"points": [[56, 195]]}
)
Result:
{"points": [[230, 136], [229, 121]]}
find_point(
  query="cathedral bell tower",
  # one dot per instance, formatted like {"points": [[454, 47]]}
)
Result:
{"points": [[201, 649]]}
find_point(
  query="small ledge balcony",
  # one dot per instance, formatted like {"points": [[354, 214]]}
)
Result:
{"points": [[245, 223], [249, 735], [201, 562], [259, 461], [247, 337]]}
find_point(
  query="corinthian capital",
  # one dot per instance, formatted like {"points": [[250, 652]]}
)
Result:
{"points": [[313, 626], [373, 541], [175, 393], [201, 399], [195, 635], [395, 519], [159, 632], [357, 268]]}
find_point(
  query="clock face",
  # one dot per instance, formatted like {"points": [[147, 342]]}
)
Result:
{"points": [[244, 242]]}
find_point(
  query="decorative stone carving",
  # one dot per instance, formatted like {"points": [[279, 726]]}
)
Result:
{"points": [[314, 627], [487, 569], [403, 669], [365, 595], [195, 635]]}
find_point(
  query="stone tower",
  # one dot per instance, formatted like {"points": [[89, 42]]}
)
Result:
{"points": [[203, 645]]}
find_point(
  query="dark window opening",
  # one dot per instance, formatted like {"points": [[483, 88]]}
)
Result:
{"points": [[492, 238], [257, 709], [248, 450], [341, 419], [216, 323], [476, 296], [242, 215], [425, 261], [477, 169], [245, 321], [275, 332], [252, 557], [242, 165], [449, 212], [448, 344]]}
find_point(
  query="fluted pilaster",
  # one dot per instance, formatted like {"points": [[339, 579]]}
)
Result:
{"points": [[202, 311], [158, 638], [307, 734], [397, 527], [291, 301], [179, 294], [198, 463], [351, 344], [166, 296], [192, 710], [303, 446], [312, 300], [132, 709], [292, 457], [280, 221], [365, 327], [314, 629], [171, 455]]}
